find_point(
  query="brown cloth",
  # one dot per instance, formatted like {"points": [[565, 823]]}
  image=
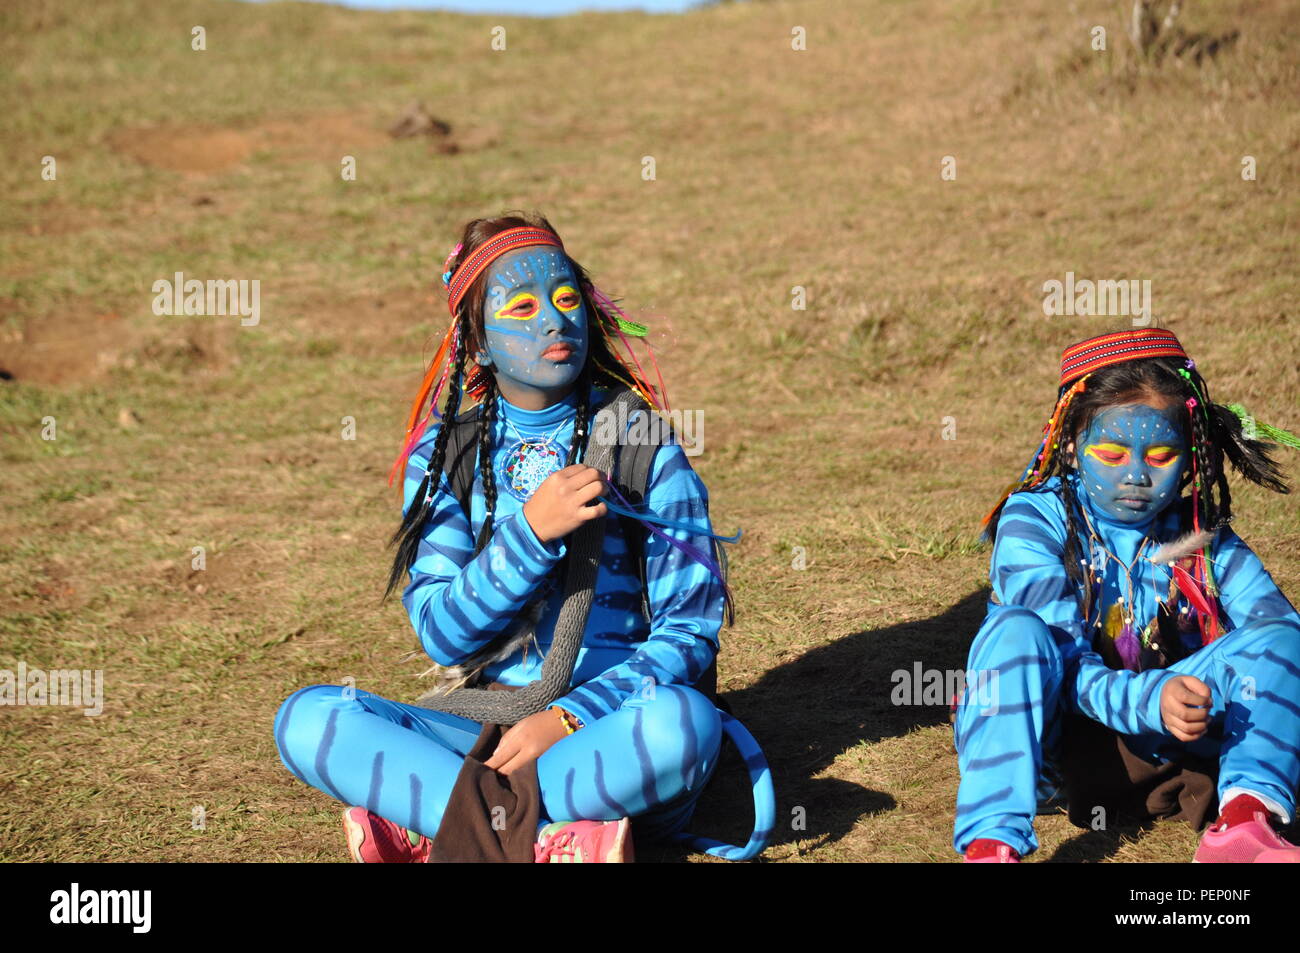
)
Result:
{"points": [[1099, 771], [490, 817]]}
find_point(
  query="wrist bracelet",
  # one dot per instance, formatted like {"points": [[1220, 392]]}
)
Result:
{"points": [[565, 717]]}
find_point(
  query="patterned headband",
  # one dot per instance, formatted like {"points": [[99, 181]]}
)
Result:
{"points": [[1078, 362], [1117, 348], [490, 251]]}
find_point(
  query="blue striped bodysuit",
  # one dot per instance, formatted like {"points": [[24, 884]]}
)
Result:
{"points": [[650, 740], [1035, 651]]}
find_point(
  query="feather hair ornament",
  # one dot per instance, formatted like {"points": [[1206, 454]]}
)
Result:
{"points": [[1122, 636], [1259, 430], [1128, 647], [1192, 590], [1182, 547]]}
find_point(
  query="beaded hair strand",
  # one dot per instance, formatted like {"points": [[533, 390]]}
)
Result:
{"points": [[410, 531], [1043, 463]]}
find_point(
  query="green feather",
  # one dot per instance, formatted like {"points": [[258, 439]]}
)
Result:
{"points": [[1259, 430]]}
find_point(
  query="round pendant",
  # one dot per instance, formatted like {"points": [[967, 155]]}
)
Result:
{"points": [[526, 465]]}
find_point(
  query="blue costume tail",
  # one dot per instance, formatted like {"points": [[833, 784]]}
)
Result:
{"points": [[760, 777]]}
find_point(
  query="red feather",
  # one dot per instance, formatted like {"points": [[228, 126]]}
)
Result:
{"points": [[1195, 595]]}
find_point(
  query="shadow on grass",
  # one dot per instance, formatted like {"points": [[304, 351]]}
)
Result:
{"points": [[1092, 847], [808, 711]]}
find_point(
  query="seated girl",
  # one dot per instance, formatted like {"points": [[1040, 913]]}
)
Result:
{"points": [[1124, 606], [521, 578]]}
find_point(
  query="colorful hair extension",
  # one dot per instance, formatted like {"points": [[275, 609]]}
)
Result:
{"points": [[618, 321], [1202, 574], [439, 369], [1194, 586], [1040, 463]]}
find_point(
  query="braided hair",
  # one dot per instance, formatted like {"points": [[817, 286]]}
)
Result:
{"points": [[1212, 430], [602, 369]]}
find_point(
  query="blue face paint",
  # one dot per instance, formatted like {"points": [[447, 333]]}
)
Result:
{"points": [[1131, 459], [535, 325]]}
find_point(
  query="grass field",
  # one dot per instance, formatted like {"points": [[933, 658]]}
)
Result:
{"points": [[775, 168]]}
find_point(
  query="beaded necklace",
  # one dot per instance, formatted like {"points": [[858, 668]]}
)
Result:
{"points": [[530, 461], [1128, 642]]}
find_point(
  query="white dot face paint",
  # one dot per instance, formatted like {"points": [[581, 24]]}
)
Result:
{"points": [[1132, 459], [535, 323]]}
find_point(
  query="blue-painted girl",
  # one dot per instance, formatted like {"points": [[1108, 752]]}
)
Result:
{"points": [[1121, 594], [539, 348]]}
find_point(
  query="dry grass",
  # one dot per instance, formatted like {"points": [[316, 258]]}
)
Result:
{"points": [[774, 169]]}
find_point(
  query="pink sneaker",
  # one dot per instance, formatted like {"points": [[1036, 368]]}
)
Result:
{"points": [[1246, 842], [985, 850], [373, 840], [584, 842]]}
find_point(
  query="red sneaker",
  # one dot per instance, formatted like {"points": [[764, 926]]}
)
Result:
{"points": [[374, 840], [584, 842], [985, 850]]}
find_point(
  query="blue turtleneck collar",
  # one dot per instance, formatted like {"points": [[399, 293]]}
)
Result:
{"points": [[561, 410]]}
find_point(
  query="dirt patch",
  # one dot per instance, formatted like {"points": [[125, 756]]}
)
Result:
{"points": [[201, 344], [220, 572], [369, 325], [50, 587], [203, 150], [53, 219], [80, 341], [77, 342]]}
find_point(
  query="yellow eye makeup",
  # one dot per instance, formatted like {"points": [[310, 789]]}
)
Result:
{"points": [[519, 308], [1109, 454], [1162, 456], [566, 298]]}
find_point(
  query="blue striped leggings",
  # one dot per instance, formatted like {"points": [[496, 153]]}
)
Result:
{"points": [[1254, 677], [652, 757]]}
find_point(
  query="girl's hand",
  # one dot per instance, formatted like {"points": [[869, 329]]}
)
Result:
{"points": [[560, 504], [1185, 707], [527, 741]]}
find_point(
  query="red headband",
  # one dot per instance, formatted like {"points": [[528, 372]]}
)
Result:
{"points": [[488, 252], [1116, 348]]}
